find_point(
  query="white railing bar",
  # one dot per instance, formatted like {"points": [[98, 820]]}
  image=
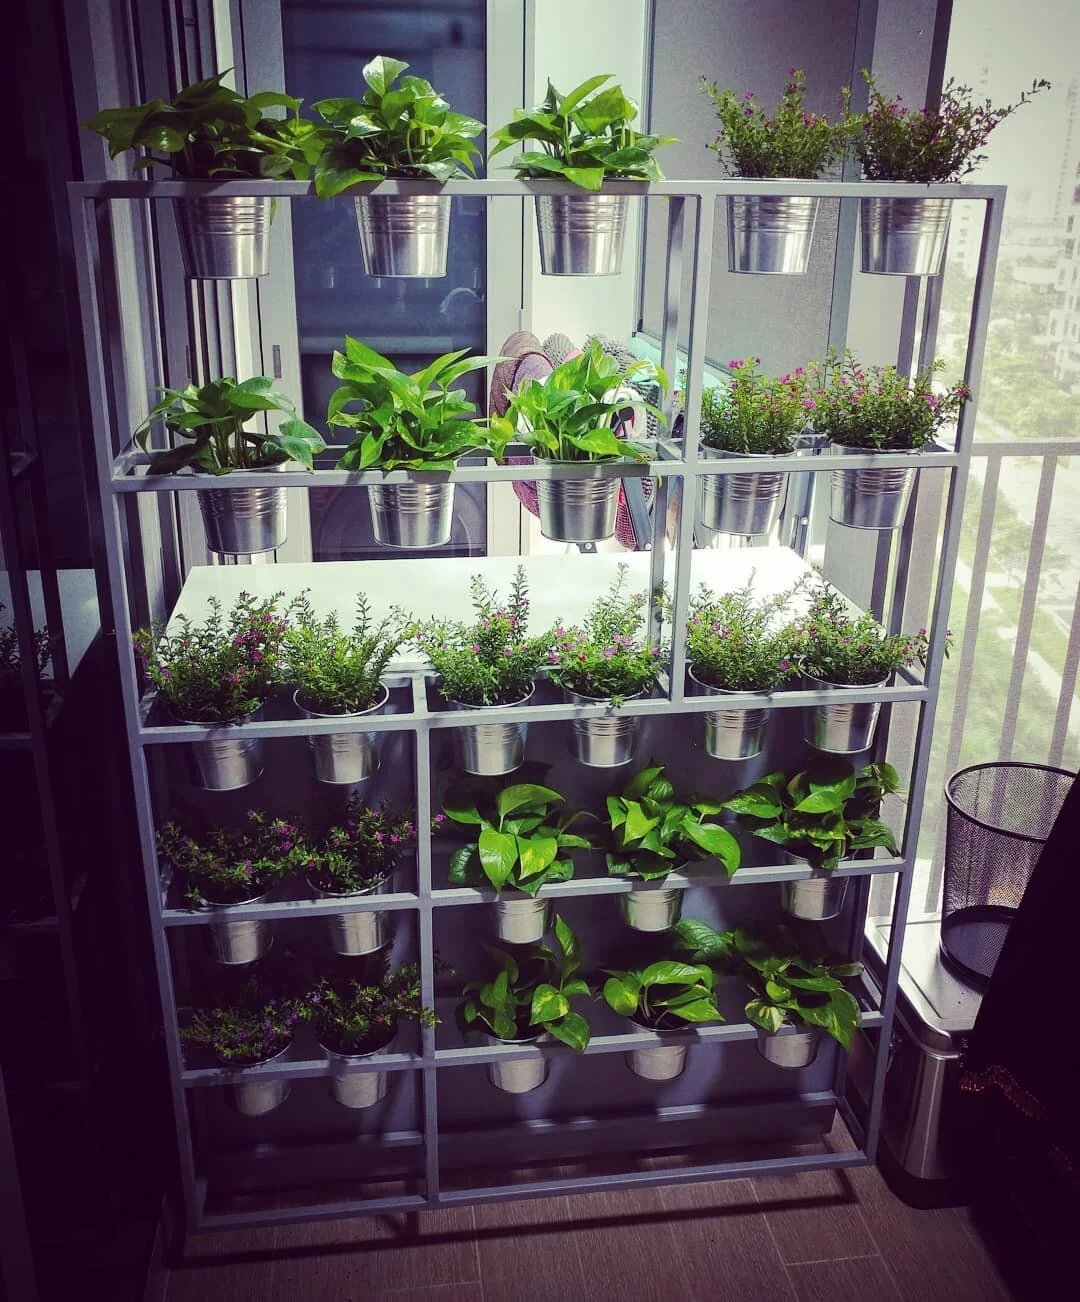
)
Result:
{"points": [[1068, 687], [1027, 448]]}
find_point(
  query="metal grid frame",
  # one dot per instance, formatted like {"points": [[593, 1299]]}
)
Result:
{"points": [[118, 470]]}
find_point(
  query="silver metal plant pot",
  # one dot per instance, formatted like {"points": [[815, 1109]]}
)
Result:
{"points": [[732, 734], [228, 761], [904, 237], [518, 1075], [662, 1063], [244, 521], [356, 1089], [581, 234], [491, 749], [356, 933], [237, 943], [814, 899], [403, 234], [577, 510], [412, 516], [344, 758], [842, 729], [604, 743], [871, 498], [651, 908], [257, 1097], [224, 237], [790, 1046], [770, 235], [520, 920], [741, 504]]}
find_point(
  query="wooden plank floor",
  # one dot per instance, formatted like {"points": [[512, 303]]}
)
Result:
{"points": [[827, 1236]]}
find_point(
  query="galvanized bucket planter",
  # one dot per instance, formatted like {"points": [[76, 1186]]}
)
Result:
{"points": [[736, 734], [491, 749], [577, 510], [228, 761], [815, 899], [581, 234], [518, 1075], [904, 237], [243, 521], [651, 908], [747, 505], [665, 1062], [520, 920], [770, 235], [791, 1046], [842, 729], [224, 237], [356, 1089], [412, 516], [871, 498], [604, 743], [344, 758], [255, 1098], [403, 235], [238, 943], [353, 934]]}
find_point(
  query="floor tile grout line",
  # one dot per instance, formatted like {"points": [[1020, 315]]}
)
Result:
{"points": [[826, 1261], [773, 1241]]}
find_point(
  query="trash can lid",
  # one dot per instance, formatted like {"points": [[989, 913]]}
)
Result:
{"points": [[936, 1007]]}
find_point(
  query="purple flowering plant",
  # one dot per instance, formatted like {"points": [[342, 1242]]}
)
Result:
{"points": [[492, 661], [354, 1018], [930, 144], [241, 1036], [735, 640], [876, 407], [359, 853], [219, 670], [336, 671], [607, 656], [231, 866], [755, 413], [792, 142]]}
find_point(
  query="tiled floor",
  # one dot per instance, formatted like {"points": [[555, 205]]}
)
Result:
{"points": [[826, 1236]]}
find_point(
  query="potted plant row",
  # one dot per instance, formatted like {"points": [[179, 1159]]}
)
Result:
{"points": [[12, 703]]}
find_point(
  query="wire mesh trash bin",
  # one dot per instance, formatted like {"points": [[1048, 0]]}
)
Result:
{"points": [[999, 816]]}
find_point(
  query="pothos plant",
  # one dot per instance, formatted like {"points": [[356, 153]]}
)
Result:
{"points": [[574, 413], [211, 132], [530, 994], [401, 127], [210, 420], [823, 814], [521, 841], [399, 421], [652, 832], [585, 137], [664, 993]]}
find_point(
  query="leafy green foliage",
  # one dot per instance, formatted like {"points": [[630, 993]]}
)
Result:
{"points": [[755, 413], [354, 1018], [220, 670], [791, 143], [894, 144], [11, 659], [663, 993], [607, 656], [404, 422], [492, 661], [832, 643], [211, 419], [402, 127], [338, 672], [360, 852], [877, 408], [211, 133], [733, 640], [652, 832], [228, 867], [241, 1035], [520, 841], [823, 814], [531, 994], [584, 137], [572, 415]]}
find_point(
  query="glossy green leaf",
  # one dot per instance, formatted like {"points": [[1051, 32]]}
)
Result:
{"points": [[547, 1004], [573, 1030], [524, 794], [498, 856], [621, 993]]}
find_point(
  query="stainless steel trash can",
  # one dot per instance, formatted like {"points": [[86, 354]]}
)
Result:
{"points": [[935, 1011]]}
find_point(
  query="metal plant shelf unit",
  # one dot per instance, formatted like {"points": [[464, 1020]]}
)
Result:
{"points": [[122, 475]]}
